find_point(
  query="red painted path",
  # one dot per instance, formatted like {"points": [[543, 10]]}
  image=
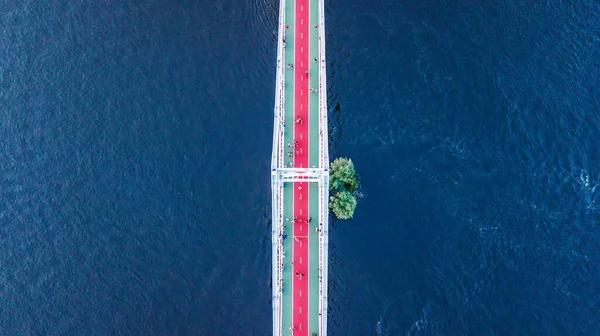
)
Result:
{"points": [[301, 155]]}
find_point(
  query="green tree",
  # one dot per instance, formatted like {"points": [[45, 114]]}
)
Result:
{"points": [[342, 174], [342, 204]]}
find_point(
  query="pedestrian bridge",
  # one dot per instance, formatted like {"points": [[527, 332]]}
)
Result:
{"points": [[300, 172]]}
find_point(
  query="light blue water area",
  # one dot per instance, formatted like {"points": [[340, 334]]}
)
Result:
{"points": [[135, 192]]}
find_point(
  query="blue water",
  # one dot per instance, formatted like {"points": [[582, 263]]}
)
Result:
{"points": [[134, 190]]}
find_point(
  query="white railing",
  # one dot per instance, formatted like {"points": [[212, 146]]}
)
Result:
{"points": [[276, 296], [278, 103], [282, 121], [279, 110], [324, 254], [324, 164], [280, 253], [323, 216], [276, 127], [323, 127], [276, 162], [301, 175], [278, 262]]}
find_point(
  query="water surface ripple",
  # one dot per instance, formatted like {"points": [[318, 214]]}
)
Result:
{"points": [[135, 182]]}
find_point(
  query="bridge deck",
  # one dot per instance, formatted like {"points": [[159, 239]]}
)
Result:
{"points": [[300, 217]]}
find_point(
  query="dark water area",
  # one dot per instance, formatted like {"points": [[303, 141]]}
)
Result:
{"points": [[135, 195]]}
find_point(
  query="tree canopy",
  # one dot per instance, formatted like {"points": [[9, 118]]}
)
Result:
{"points": [[342, 204], [343, 183], [342, 174]]}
